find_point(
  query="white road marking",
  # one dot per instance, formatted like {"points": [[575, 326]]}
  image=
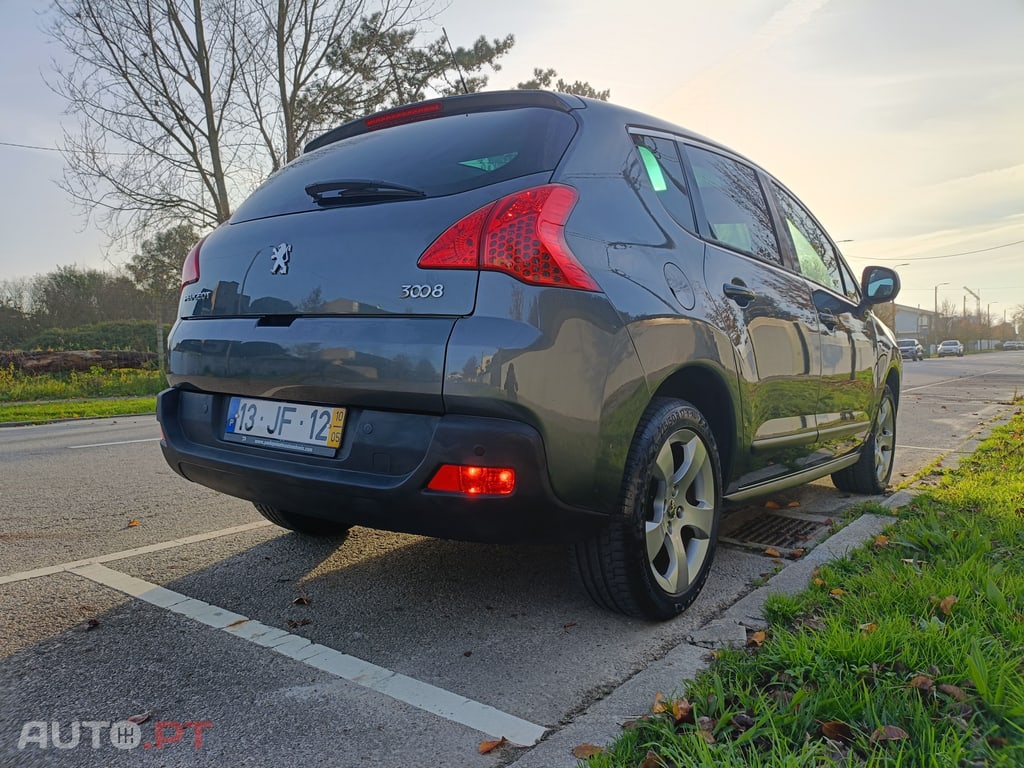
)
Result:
{"points": [[50, 570], [953, 379], [119, 442], [429, 698]]}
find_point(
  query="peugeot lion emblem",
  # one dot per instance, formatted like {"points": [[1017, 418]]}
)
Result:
{"points": [[281, 255]]}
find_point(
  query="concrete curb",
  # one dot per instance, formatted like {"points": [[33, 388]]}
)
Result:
{"points": [[602, 722]]}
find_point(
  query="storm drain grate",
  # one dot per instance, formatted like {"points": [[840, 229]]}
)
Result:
{"points": [[758, 529]]}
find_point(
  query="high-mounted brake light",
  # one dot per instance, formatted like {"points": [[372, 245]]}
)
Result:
{"points": [[474, 481], [190, 269], [403, 115], [522, 235]]}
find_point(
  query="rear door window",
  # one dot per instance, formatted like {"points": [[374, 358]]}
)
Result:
{"points": [[816, 256], [441, 156], [734, 204]]}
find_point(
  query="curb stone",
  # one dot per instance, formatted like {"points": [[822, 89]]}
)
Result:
{"points": [[602, 722]]}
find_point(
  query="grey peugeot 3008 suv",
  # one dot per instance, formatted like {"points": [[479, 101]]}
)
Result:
{"points": [[522, 315]]}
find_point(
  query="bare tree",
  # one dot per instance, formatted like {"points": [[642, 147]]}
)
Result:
{"points": [[152, 85], [183, 106]]}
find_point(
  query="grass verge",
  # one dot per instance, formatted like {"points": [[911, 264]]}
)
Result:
{"points": [[16, 386], [908, 653], [54, 410]]}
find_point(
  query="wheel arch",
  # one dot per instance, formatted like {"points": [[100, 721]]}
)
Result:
{"points": [[708, 390]]}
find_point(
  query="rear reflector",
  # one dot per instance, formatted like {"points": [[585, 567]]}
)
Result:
{"points": [[521, 234], [474, 481]]}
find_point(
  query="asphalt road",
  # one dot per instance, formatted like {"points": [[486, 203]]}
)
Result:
{"points": [[410, 651]]}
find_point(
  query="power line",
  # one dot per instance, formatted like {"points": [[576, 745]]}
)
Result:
{"points": [[951, 255], [28, 146]]}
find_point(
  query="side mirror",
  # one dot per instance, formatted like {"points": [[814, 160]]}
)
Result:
{"points": [[878, 285]]}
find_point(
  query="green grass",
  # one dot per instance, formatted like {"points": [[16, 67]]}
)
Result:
{"points": [[40, 412], [97, 382], [908, 653]]}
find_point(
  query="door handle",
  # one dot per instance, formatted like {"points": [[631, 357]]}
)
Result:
{"points": [[739, 293], [828, 319]]}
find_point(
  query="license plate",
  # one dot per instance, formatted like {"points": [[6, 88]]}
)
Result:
{"points": [[296, 427]]}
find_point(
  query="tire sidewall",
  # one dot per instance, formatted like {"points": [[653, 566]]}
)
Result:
{"points": [[667, 417]]}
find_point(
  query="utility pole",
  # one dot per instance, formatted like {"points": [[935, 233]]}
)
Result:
{"points": [[977, 298]]}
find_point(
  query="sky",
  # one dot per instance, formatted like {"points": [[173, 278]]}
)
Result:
{"points": [[899, 124]]}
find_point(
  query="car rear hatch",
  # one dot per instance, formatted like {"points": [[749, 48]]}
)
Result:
{"points": [[312, 291]]}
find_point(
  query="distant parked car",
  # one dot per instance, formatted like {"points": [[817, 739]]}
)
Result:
{"points": [[1011, 345], [910, 349], [951, 347]]}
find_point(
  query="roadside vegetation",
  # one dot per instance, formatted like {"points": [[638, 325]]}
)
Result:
{"points": [[96, 392], [908, 653]]}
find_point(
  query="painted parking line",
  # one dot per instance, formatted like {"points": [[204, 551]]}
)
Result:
{"points": [[429, 698], [116, 442], [50, 570]]}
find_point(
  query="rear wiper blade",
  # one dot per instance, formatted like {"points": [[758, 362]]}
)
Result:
{"points": [[359, 191]]}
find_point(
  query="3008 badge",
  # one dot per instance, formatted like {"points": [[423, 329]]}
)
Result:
{"points": [[422, 291]]}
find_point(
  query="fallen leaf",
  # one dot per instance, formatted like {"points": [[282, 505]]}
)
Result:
{"points": [[868, 628], [133, 523], [490, 746], [301, 600], [651, 760], [757, 638], [660, 705], [772, 552], [682, 711], [818, 581], [947, 604], [743, 721], [569, 625], [584, 751], [881, 540], [139, 719], [293, 624], [953, 691], [796, 554], [467, 654], [922, 682], [91, 624], [86, 608], [836, 730], [707, 735], [793, 504], [889, 733], [772, 505], [837, 592], [706, 723]]}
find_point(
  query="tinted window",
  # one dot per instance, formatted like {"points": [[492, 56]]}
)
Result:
{"points": [[816, 257], [660, 159], [442, 156], [734, 204]]}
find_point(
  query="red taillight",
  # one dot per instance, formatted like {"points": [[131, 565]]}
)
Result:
{"points": [[521, 234], [474, 481], [190, 269]]}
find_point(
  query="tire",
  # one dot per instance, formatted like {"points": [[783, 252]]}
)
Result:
{"points": [[310, 526], [653, 557], [870, 475]]}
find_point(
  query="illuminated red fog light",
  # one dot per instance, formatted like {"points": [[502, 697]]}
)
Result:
{"points": [[474, 481]]}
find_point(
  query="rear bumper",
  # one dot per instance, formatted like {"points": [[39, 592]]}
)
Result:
{"points": [[380, 475]]}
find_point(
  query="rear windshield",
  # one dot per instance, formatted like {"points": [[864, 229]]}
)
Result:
{"points": [[442, 156]]}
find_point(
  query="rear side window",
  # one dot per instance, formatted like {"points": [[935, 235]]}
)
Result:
{"points": [[734, 204], [660, 159], [442, 156]]}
